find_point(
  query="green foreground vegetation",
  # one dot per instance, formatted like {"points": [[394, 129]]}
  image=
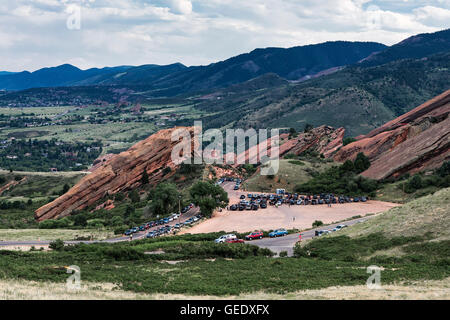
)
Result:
{"points": [[194, 264]]}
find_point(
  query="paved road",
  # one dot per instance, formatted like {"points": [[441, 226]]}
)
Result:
{"points": [[139, 235]]}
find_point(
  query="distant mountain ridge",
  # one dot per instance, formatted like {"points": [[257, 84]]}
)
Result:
{"points": [[63, 75], [291, 64], [414, 47]]}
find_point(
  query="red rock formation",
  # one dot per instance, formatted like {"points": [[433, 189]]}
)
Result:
{"points": [[121, 172], [415, 141], [107, 205], [100, 160], [11, 184], [324, 140]]}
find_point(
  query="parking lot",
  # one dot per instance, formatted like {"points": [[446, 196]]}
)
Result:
{"points": [[284, 216]]}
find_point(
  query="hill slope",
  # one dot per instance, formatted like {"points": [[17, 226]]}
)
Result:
{"points": [[359, 99], [428, 214], [415, 47]]}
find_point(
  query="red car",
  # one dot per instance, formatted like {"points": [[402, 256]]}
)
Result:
{"points": [[234, 240], [254, 235]]}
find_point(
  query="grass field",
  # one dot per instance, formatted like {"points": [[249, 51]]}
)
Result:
{"points": [[52, 234], [291, 173], [33, 290], [38, 112]]}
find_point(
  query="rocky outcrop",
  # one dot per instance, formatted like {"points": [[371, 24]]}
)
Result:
{"points": [[11, 185], [416, 141], [324, 140], [121, 172]]}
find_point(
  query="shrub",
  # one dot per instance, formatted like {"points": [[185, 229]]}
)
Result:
{"points": [[283, 254], [57, 245], [317, 223], [134, 196], [348, 140]]}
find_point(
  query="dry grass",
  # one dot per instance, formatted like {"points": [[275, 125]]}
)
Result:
{"points": [[426, 214], [30, 290], [44, 173], [51, 234]]}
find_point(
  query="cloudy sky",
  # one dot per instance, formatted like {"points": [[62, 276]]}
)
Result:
{"points": [[97, 33]]}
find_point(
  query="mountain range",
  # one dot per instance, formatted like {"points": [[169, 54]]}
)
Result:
{"points": [[292, 64], [356, 85]]}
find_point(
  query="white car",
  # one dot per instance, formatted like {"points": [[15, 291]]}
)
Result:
{"points": [[339, 227], [224, 238]]}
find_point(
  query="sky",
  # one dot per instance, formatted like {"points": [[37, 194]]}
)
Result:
{"points": [[98, 33]]}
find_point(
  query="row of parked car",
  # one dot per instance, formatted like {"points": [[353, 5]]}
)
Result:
{"points": [[152, 224], [319, 233], [295, 199], [232, 238], [167, 229]]}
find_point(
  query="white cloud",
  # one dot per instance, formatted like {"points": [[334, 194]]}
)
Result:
{"points": [[117, 32], [181, 6]]}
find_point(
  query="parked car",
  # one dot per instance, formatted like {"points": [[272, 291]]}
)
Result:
{"points": [[151, 234], [225, 237], [185, 209], [339, 227], [263, 205], [234, 240], [278, 233], [254, 235], [128, 232], [233, 207], [242, 196], [236, 187]]}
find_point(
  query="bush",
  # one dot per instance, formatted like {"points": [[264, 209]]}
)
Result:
{"points": [[134, 196], [124, 254], [348, 140], [54, 224], [283, 254], [317, 223], [57, 245]]}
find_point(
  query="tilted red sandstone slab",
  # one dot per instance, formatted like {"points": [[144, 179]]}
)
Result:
{"points": [[426, 150], [121, 172], [410, 143]]}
